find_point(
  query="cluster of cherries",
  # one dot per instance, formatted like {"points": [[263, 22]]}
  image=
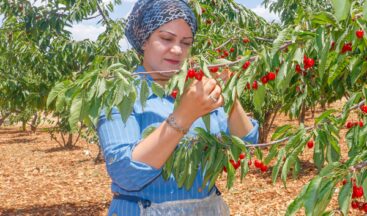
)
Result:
{"points": [[307, 64], [236, 164], [350, 125], [357, 193], [347, 47]]}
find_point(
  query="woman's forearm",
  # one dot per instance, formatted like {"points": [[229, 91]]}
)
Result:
{"points": [[238, 121], [156, 148]]}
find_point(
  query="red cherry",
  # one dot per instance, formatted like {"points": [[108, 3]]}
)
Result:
{"points": [[231, 50], [360, 34], [264, 79], [355, 204], [359, 191], [310, 144], [219, 51], [332, 45], [242, 156], [248, 86], [254, 85], [246, 65], [347, 47], [365, 207], [271, 76], [174, 94], [364, 108], [237, 165], [191, 73], [224, 169], [344, 182], [214, 69], [225, 53], [310, 62], [349, 125], [208, 22], [246, 40], [298, 68], [361, 124], [257, 164], [203, 10], [199, 75], [263, 168]]}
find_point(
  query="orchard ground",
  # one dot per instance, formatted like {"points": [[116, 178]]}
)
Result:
{"points": [[37, 177]]}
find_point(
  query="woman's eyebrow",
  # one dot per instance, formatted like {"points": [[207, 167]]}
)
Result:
{"points": [[175, 34]]}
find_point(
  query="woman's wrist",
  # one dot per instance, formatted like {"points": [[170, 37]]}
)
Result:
{"points": [[182, 118]]}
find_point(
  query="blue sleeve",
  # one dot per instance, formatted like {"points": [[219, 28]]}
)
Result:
{"points": [[252, 137], [118, 140]]}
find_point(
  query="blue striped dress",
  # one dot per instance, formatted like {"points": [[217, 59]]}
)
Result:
{"points": [[130, 177]]}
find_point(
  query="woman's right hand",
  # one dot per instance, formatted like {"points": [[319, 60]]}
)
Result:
{"points": [[199, 98]]}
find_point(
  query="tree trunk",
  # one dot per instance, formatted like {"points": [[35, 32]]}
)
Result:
{"points": [[24, 125], [99, 158], [2, 119], [69, 143], [264, 132], [34, 123]]}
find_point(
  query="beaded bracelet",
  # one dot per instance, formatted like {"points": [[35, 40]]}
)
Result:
{"points": [[172, 122]]}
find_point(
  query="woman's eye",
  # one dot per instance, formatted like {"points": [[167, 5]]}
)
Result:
{"points": [[167, 39], [187, 44]]}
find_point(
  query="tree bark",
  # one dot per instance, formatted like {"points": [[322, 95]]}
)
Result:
{"points": [[34, 123], [2, 119]]}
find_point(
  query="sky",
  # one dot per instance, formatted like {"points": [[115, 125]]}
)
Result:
{"points": [[90, 29]]}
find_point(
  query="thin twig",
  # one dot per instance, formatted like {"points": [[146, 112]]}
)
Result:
{"points": [[307, 129], [103, 15]]}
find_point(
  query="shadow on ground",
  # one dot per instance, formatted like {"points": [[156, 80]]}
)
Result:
{"points": [[63, 209]]}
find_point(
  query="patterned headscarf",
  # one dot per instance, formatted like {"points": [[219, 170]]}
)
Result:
{"points": [[149, 15]]}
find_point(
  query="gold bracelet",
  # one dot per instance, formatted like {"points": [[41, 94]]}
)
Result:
{"points": [[172, 122]]}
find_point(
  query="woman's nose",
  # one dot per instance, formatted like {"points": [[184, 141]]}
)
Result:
{"points": [[176, 49]]}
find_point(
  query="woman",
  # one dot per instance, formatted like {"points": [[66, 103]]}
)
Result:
{"points": [[163, 32]]}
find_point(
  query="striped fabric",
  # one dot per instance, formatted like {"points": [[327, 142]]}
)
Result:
{"points": [[130, 177]]}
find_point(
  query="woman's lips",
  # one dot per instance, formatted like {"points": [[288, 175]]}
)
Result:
{"points": [[174, 62]]}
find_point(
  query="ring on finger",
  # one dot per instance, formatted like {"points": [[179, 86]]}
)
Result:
{"points": [[213, 98]]}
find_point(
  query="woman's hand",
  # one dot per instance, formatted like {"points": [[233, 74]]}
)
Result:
{"points": [[200, 98]]}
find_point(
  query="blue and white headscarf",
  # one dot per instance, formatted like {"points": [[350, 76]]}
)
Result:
{"points": [[149, 15]]}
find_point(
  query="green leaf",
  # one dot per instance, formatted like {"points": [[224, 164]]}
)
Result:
{"points": [[157, 89], [276, 168], [324, 18], [344, 197], [206, 119], [127, 105], [310, 196], [259, 98], [365, 10], [281, 39], [238, 143], [342, 8], [324, 197], [297, 202], [144, 93], [56, 90], [75, 111], [324, 115], [147, 131], [281, 132]]}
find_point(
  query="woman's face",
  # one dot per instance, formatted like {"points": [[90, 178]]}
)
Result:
{"points": [[167, 47]]}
